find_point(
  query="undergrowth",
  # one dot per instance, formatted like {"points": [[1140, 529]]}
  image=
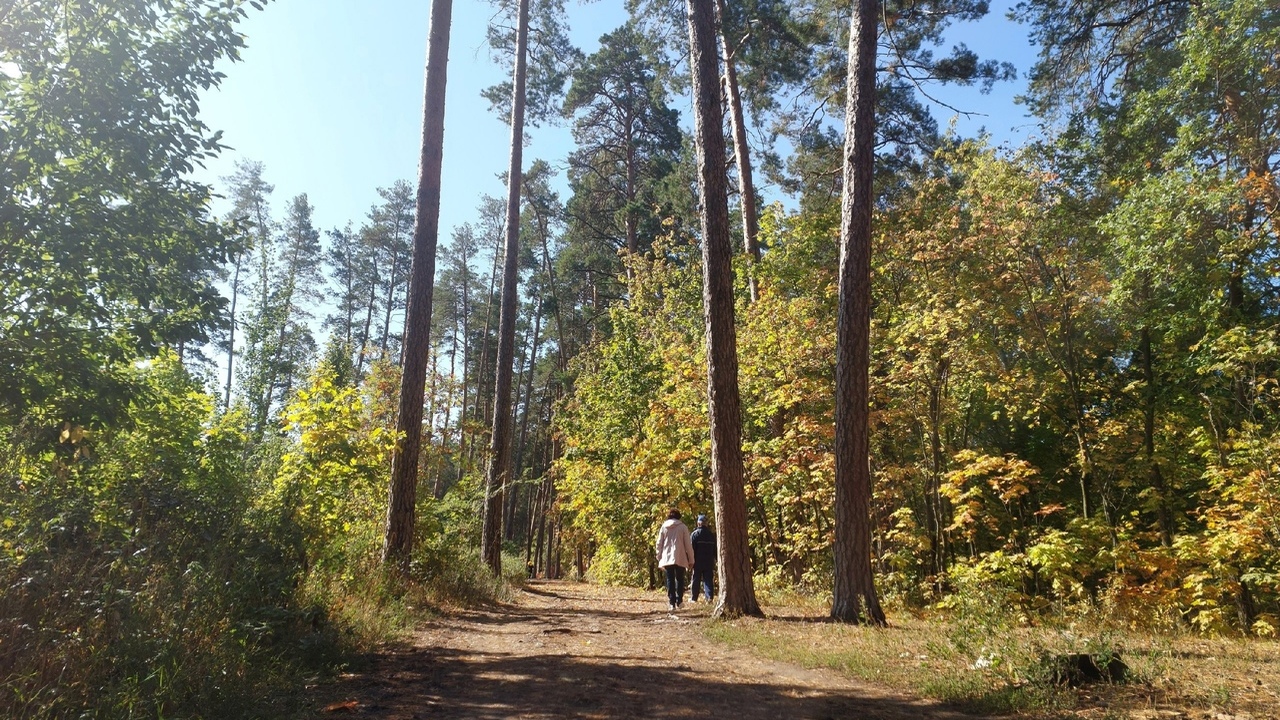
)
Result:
{"points": [[175, 566]]}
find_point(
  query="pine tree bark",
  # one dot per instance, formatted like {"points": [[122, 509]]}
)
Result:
{"points": [[738, 592], [854, 598], [500, 440], [402, 494]]}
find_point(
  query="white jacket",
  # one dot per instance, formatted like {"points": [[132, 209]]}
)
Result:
{"points": [[674, 546]]}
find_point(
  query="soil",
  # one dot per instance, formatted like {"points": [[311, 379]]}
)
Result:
{"points": [[575, 650]]}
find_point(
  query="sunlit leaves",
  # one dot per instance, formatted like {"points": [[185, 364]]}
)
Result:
{"points": [[333, 477], [108, 251]]}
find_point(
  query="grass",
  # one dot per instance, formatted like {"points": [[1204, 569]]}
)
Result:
{"points": [[999, 668]]}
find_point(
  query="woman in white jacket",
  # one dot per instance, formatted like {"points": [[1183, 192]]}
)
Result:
{"points": [[675, 553]]}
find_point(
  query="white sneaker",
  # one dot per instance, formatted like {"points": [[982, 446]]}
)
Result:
{"points": [[671, 608]]}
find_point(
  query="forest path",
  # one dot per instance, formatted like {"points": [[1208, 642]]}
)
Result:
{"points": [[574, 650]]}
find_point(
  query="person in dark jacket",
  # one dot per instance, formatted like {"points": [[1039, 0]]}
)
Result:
{"points": [[704, 559]]}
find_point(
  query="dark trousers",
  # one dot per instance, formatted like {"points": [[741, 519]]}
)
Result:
{"points": [[675, 584], [703, 579]]}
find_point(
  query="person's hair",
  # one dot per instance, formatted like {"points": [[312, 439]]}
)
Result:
{"points": [[673, 514]]}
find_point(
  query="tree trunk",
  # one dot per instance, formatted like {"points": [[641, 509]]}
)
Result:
{"points": [[518, 461], [402, 494], [561, 340], [437, 486], [553, 567], [1164, 515], [738, 592], [854, 594], [937, 462], [633, 243], [531, 502], [542, 528], [742, 154], [466, 367], [368, 316], [500, 441], [479, 412], [433, 393], [231, 332], [391, 301], [528, 393]]}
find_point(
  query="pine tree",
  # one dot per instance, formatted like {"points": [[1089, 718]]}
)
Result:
{"points": [[737, 596], [402, 494]]}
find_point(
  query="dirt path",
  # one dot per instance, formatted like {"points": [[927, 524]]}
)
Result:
{"points": [[565, 649]]}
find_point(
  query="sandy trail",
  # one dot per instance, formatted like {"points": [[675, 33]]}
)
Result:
{"points": [[573, 650]]}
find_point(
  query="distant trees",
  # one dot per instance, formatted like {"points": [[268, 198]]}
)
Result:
{"points": [[628, 142], [251, 210], [282, 268]]}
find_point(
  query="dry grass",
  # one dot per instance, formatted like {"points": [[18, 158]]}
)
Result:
{"points": [[990, 668]]}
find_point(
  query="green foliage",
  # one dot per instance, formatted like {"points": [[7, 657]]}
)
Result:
{"points": [[332, 480], [140, 577], [611, 567], [108, 248]]}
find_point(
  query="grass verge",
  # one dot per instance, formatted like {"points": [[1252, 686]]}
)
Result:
{"points": [[1001, 669]]}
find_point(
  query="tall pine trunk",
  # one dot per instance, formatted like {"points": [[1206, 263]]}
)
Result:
{"points": [[528, 393], [854, 598], [478, 413], [390, 302], [402, 494], [518, 455], [738, 592], [500, 440]]}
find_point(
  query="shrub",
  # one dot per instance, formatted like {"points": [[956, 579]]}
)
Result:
{"points": [[139, 578]]}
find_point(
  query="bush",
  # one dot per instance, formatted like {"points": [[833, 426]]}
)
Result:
{"points": [[609, 566], [139, 578]]}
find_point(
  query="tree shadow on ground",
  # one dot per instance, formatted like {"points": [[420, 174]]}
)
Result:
{"points": [[442, 683]]}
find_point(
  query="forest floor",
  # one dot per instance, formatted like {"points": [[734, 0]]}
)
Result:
{"points": [[563, 649]]}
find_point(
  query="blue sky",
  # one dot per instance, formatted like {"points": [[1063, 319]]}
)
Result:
{"points": [[328, 96]]}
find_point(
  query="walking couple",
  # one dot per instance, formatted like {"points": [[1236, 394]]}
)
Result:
{"points": [[677, 549]]}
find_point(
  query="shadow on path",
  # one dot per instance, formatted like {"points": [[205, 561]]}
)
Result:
{"points": [[442, 683], [569, 650]]}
